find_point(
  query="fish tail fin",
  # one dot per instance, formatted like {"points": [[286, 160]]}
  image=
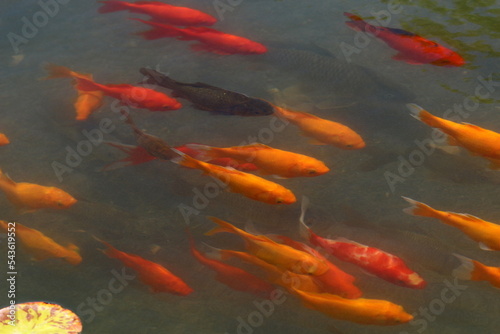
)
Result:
{"points": [[357, 23], [203, 152], [4, 140], [304, 230], [73, 247], [87, 84], [112, 6], [422, 115], [224, 227], [185, 160], [158, 30], [466, 268], [418, 208], [110, 250], [216, 253], [57, 71]]}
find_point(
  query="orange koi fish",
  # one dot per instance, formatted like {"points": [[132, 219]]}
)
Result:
{"points": [[476, 140], [361, 310], [270, 161], [234, 277], [486, 233], [275, 275], [334, 280], [41, 246], [87, 101], [412, 48], [161, 12], [134, 96], [279, 255], [473, 270], [3, 139], [249, 185], [322, 131], [159, 278], [30, 197], [210, 40]]}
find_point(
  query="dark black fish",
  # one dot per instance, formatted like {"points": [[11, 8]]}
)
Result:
{"points": [[336, 75], [210, 98]]}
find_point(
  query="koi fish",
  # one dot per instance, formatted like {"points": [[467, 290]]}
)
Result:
{"points": [[211, 98], [279, 255], [156, 276], [373, 260], [136, 97], [4, 140], [41, 246], [361, 310], [30, 197], [210, 40], [476, 140], [270, 161], [412, 48], [248, 185], [486, 233], [334, 280], [473, 270], [161, 12], [87, 101], [322, 131], [137, 155], [234, 277], [275, 275]]}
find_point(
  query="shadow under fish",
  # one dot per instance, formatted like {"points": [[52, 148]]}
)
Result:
{"points": [[210, 98]]}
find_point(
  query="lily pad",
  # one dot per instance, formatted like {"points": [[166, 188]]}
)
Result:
{"points": [[38, 318]]}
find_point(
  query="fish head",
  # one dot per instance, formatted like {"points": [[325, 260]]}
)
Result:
{"points": [[74, 258], [60, 199], [393, 314], [310, 168], [412, 280], [451, 60], [256, 48], [352, 141], [285, 197], [252, 107]]}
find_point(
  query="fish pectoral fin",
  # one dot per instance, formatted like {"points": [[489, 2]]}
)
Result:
{"points": [[407, 59], [485, 247], [494, 164], [452, 141]]}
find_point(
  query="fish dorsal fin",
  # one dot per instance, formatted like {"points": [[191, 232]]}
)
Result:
{"points": [[401, 32], [468, 217], [472, 126], [342, 239], [150, 3], [255, 146]]}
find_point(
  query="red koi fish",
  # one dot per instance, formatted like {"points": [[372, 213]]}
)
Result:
{"points": [[334, 280], [161, 12], [373, 260], [211, 40], [159, 278], [412, 48], [234, 277], [136, 97], [137, 155]]}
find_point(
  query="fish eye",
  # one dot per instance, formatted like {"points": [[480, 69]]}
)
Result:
{"points": [[312, 172], [59, 203], [349, 145], [279, 201]]}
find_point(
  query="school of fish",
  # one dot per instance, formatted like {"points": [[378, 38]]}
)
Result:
{"points": [[309, 274]]}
